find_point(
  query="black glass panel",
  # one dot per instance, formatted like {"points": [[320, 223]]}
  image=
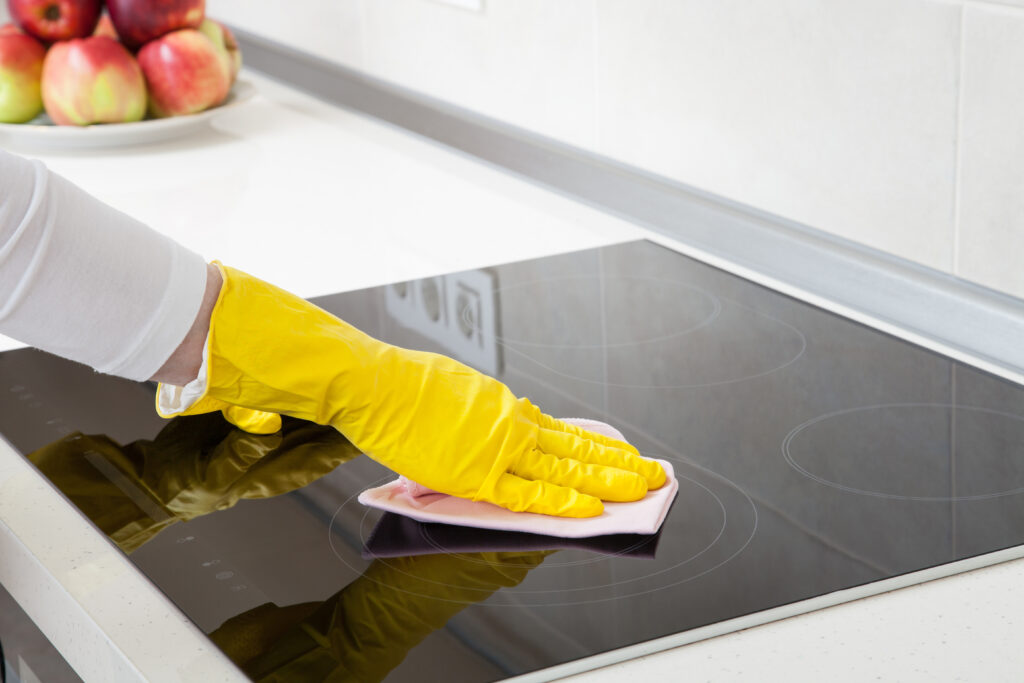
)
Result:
{"points": [[813, 454]]}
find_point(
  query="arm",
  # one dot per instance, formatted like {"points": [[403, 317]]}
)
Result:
{"points": [[84, 281]]}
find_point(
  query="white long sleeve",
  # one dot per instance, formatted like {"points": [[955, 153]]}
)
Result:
{"points": [[84, 281]]}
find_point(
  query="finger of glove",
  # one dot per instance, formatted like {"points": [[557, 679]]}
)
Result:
{"points": [[567, 445], [522, 495], [548, 422], [607, 483]]}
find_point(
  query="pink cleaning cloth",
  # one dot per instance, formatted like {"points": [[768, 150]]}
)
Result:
{"points": [[405, 497]]}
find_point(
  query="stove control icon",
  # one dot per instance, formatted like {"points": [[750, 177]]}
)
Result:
{"points": [[457, 311]]}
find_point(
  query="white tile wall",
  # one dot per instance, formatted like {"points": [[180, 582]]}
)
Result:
{"points": [[525, 61], [991, 206], [848, 115], [4, 14], [839, 114], [331, 29]]}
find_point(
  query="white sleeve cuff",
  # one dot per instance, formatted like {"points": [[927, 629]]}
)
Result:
{"points": [[172, 399]]}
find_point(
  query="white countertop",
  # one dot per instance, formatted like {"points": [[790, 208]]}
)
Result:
{"points": [[319, 200]]}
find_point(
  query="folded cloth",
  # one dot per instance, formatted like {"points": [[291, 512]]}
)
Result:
{"points": [[400, 536], [644, 516]]}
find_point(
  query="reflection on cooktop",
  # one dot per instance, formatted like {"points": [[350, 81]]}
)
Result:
{"points": [[642, 333], [813, 454], [711, 522], [399, 536]]}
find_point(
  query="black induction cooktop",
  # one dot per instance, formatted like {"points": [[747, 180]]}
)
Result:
{"points": [[813, 454]]}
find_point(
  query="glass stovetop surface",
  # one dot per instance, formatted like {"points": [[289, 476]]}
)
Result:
{"points": [[813, 454]]}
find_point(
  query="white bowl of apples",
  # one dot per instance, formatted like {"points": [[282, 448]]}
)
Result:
{"points": [[144, 71]]}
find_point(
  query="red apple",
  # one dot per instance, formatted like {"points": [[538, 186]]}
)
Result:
{"points": [[222, 37], [51, 20], [139, 21], [92, 80], [105, 27], [186, 73], [9, 28], [21, 71]]}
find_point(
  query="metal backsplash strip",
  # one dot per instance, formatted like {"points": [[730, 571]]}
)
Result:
{"points": [[968, 318]]}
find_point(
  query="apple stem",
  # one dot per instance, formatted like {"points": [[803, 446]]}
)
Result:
{"points": [[52, 12]]}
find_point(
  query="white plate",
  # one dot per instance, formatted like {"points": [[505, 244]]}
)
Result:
{"points": [[42, 132]]}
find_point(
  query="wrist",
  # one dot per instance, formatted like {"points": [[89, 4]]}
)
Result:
{"points": [[183, 365]]}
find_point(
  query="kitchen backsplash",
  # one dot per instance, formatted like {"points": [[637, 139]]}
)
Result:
{"points": [[895, 123]]}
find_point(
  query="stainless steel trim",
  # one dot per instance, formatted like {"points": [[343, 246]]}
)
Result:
{"points": [[976, 321], [773, 614]]}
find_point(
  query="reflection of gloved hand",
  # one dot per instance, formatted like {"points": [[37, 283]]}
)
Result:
{"points": [[195, 466], [424, 415], [366, 630], [192, 481]]}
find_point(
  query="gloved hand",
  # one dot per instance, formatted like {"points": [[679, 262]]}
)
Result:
{"points": [[423, 415]]}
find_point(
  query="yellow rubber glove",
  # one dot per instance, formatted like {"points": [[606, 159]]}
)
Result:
{"points": [[252, 421], [423, 415]]}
